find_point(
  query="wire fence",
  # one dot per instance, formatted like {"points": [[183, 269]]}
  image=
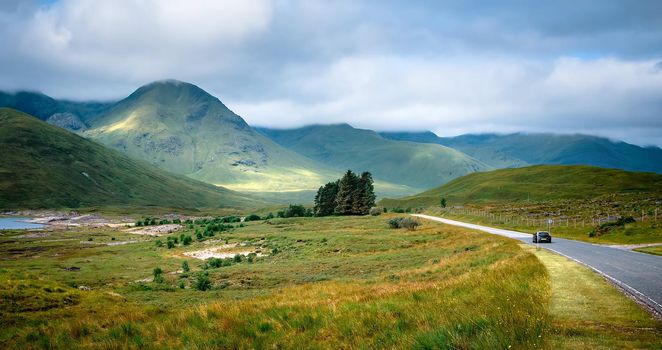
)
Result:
{"points": [[551, 220]]}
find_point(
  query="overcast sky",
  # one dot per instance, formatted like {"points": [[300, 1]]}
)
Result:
{"points": [[452, 67]]}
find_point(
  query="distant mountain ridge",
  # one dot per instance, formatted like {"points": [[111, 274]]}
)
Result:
{"points": [[417, 165], [44, 166], [522, 149], [181, 128]]}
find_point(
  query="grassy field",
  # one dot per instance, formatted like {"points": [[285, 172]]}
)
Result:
{"points": [[656, 250], [330, 283], [537, 184], [326, 283]]}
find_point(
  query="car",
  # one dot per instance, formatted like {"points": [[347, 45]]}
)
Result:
{"points": [[542, 236]]}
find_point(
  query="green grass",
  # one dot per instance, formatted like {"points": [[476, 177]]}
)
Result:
{"points": [[655, 250], [536, 184], [44, 166], [576, 198], [586, 312], [634, 233], [334, 283]]}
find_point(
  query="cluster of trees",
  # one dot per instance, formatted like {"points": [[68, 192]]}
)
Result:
{"points": [[351, 195]]}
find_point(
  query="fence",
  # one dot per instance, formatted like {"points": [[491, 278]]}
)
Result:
{"points": [[538, 220]]}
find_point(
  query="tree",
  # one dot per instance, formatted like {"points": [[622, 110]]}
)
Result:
{"points": [[364, 195], [325, 200], [295, 210], [443, 202], [346, 193]]}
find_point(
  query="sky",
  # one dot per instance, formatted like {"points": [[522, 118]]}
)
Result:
{"points": [[452, 67]]}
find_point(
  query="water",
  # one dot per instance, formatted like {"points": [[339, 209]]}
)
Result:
{"points": [[17, 224]]}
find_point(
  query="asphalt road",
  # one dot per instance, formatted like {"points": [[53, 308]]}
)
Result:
{"points": [[638, 274]]}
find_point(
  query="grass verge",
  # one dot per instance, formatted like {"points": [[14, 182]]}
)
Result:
{"points": [[587, 312]]}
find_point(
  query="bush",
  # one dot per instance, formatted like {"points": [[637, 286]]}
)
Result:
{"points": [[375, 211], [158, 275], [215, 262], [409, 224], [269, 216], [202, 281], [237, 258], [187, 240], [394, 223], [295, 210], [185, 267], [406, 223], [398, 210], [158, 243], [170, 244], [253, 217]]}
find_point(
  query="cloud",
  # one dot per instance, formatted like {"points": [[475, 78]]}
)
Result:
{"points": [[451, 66], [454, 96]]}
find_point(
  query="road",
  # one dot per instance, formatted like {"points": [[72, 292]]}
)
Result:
{"points": [[638, 274]]}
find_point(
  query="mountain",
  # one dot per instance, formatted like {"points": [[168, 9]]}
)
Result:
{"points": [[181, 128], [43, 166], [412, 164], [536, 183], [516, 150], [70, 115]]}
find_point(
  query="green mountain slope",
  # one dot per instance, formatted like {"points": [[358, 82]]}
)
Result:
{"points": [[43, 166], [520, 149], [67, 114], [413, 164], [535, 183], [181, 128]]}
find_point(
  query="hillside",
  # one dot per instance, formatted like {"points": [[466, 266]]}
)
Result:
{"points": [[70, 115], [515, 150], [413, 164], [535, 183], [181, 128], [44, 166]]}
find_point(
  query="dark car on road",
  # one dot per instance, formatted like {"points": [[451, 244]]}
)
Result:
{"points": [[541, 237]]}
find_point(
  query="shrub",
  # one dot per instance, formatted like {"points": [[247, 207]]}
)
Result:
{"points": [[182, 285], [253, 217], [185, 267], [269, 216], [409, 224], [398, 210], [187, 240], [139, 223], [158, 243], [375, 211], [442, 202], [280, 214], [394, 223], [171, 244], [295, 210], [199, 236], [237, 258], [202, 281], [215, 262], [406, 223], [158, 275]]}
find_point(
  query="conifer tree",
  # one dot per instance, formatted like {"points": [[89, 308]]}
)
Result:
{"points": [[364, 195], [346, 193]]}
